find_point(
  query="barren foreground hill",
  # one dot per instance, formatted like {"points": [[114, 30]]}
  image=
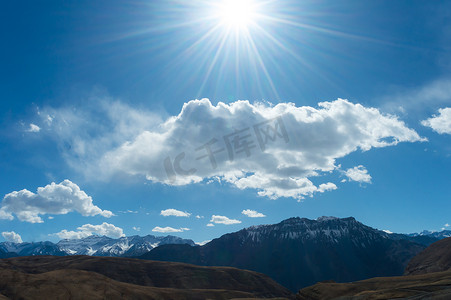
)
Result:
{"points": [[85, 277], [435, 258]]}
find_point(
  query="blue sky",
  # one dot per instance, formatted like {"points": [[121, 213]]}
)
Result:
{"points": [[353, 98]]}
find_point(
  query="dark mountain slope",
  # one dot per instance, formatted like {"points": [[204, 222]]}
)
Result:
{"points": [[300, 252]]}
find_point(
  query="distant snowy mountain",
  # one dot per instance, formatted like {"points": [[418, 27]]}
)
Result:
{"points": [[436, 234], [92, 245], [30, 249], [125, 246]]}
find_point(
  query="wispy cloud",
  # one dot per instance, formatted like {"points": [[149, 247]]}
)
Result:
{"points": [[86, 132], [433, 94]]}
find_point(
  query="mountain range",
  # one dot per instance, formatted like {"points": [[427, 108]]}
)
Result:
{"points": [[131, 246], [296, 252]]}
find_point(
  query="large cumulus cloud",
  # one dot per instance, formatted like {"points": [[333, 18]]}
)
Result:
{"points": [[273, 149]]}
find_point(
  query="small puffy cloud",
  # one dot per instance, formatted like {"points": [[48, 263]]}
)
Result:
{"points": [[252, 213], [359, 174], [199, 217], [168, 229], [34, 128], [223, 220], [174, 212], [210, 225], [272, 149], [387, 231], [56, 199], [136, 228], [11, 236], [440, 123], [446, 225], [324, 187], [86, 230]]}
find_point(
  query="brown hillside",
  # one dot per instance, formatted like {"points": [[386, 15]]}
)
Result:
{"points": [[84, 277], [435, 286], [435, 258]]}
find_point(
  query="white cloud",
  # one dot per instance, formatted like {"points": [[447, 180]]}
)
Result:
{"points": [[136, 228], [34, 128], [87, 230], [359, 174], [281, 146], [174, 212], [387, 231], [324, 187], [199, 217], [446, 225], [56, 199], [440, 123], [11, 236], [210, 225], [252, 213], [168, 229], [223, 220]]}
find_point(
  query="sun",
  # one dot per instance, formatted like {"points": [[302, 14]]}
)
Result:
{"points": [[237, 14]]}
